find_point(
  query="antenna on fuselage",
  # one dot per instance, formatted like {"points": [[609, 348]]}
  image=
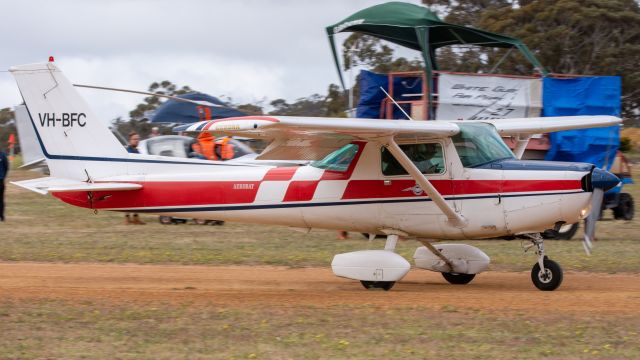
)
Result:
{"points": [[176, 98], [398, 105]]}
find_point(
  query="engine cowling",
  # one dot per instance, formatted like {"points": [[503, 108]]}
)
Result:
{"points": [[466, 259]]}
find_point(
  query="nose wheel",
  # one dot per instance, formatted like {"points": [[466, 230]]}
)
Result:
{"points": [[549, 278], [546, 274]]}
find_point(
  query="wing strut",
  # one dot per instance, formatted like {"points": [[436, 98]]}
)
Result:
{"points": [[521, 145], [455, 218]]}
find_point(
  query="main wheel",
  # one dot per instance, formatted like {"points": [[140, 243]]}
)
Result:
{"points": [[384, 285], [458, 279], [625, 209], [165, 220], [549, 279]]}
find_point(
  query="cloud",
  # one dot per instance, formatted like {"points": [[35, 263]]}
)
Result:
{"points": [[242, 81], [244, 49]]}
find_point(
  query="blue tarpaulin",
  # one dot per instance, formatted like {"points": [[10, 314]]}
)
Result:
{"points": [[371, 95], [583, 96], [595, 95], [178, 112]]}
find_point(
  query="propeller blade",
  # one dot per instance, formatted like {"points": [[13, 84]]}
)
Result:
{"points": [[590, 222]]}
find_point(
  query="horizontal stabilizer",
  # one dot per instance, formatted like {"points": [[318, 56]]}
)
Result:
{"points": [[34, 163], [51, 184]]}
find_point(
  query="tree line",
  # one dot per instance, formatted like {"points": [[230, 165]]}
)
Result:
{"points": [[587, 37]]}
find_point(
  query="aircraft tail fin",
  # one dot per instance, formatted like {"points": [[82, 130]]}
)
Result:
{"points": [[77, 144]]}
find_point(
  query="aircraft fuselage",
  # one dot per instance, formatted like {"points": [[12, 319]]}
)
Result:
{"points": [[497, 199]]}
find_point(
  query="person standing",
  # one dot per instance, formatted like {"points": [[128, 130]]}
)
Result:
{"points": [[4, 169], [134, 140]]}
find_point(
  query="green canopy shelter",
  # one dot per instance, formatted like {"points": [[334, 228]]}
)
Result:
{"points": [[416, 27]]}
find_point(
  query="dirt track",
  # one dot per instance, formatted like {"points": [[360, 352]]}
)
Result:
{"points": [[239, 286]]}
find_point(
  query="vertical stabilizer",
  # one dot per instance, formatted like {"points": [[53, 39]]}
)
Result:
{"points": [[74, 141]]}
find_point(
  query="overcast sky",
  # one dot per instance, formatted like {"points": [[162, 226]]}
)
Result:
{"points": [[244, 49]]}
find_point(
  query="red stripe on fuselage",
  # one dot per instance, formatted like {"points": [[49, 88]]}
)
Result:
{"points": [[168, 193], [371, 189], [301, 190], [368, 189], [280, 174], [186, 193]]}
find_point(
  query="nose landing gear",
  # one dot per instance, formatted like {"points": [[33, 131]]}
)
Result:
{"points": [[546, 274]]}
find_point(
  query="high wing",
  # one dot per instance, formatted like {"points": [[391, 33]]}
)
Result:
{"points": [[541, 125], [289, 126], [51, 184], [305, 138]]}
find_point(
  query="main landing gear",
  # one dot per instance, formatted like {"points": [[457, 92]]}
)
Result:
{"points": [[390, 245], [546, 274], [458, 263], [458, 279], [375, 269], [384, 285]]}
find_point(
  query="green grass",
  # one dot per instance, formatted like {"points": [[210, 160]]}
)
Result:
{"points": [[55, 329], [40, 228], [43, 229]]}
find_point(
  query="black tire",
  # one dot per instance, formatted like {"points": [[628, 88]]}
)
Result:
{"points": [[625, 209], [165, 220], [550, 279], [458, 279], [384, 285], [566, 232]]}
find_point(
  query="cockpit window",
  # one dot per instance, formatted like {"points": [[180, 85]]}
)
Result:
{"points": [[338, 160], [478, 144], [428, 158]]}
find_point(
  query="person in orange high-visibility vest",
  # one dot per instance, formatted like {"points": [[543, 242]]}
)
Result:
{"points": [[226, 148], [208, 145]]}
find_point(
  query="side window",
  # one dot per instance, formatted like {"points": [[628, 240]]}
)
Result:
{"points": [[338, 160], [429, 158]]}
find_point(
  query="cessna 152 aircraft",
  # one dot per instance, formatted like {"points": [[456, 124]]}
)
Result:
{"points": [[427, 180]]}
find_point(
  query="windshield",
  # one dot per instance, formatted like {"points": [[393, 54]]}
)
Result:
{"points": [[479, 143], [338, 160]]}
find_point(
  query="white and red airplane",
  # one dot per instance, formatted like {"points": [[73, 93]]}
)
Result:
{"points": [[427, 180]]}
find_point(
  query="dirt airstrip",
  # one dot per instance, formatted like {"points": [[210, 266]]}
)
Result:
{"points": [[240, 286]]}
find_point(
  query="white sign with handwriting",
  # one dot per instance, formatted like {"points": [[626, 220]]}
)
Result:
{"points": [[473, 97]]}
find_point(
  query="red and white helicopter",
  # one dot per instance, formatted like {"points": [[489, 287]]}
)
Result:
{"points": [[427, 180]]}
